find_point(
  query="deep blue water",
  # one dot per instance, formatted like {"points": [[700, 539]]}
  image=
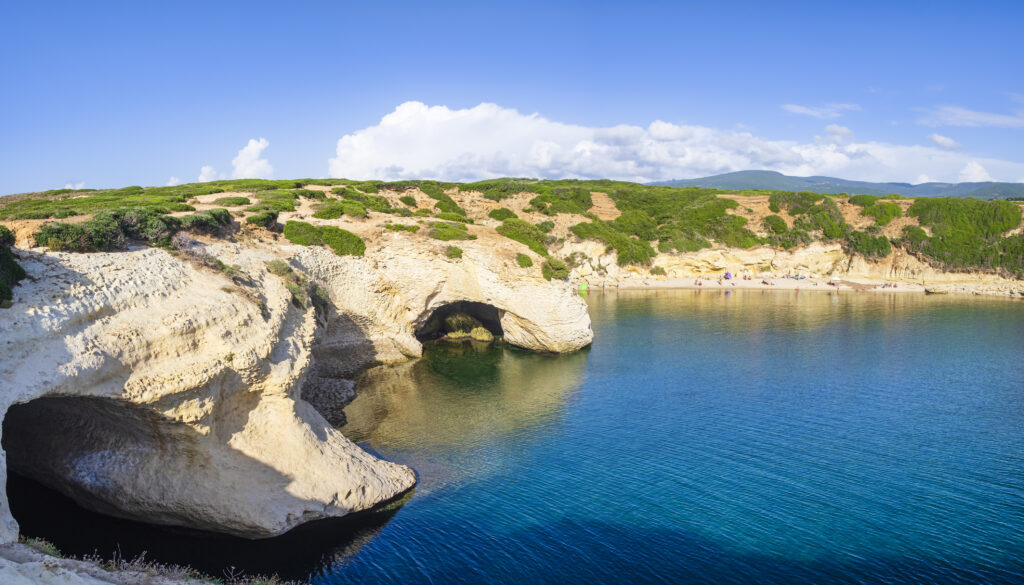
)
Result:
{"points": [[751, 437]]}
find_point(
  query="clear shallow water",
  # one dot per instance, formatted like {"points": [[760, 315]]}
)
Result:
{"points": [[766, 437]]}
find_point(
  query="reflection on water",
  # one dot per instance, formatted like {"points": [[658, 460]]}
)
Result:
{"points": [[457, 399]]}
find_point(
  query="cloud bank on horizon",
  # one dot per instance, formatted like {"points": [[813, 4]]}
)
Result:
{"points": [[417, 141]]}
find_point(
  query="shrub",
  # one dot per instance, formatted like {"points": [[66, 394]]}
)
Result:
{"points": [[658, 271], [868, 245], [211, 221], [864, 200], [447, 231], [341, 241], [264, 219], [501, 214], [329, 211], [279, 267], [553, 268], [883, 212], [524, 233], [408, 200], [6, 237], [794, 203], [546, 226], [448, 216], [398, 227], [629, 250], [523, 260], [775, 224], [232, 201], [10, 271], [311, 194], [453, 252]]}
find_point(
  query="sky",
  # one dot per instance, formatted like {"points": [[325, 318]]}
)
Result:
{"points": [[110, 94]]}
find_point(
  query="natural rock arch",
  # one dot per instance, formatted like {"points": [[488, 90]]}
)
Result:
{"points": [[431, 325]]}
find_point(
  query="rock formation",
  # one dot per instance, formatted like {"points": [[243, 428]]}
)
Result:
{"points": [[146, 386]]}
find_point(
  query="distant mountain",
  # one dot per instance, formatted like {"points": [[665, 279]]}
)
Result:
{"points": [[777, 181]]}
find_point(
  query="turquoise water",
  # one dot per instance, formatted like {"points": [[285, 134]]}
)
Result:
{"points": [[705, 437], [714, 438]]}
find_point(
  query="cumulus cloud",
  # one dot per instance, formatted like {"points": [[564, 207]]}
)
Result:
{"points": [[922, 178], [249, 165], [207, 173], [973, 172], [958, 116], [944, 141], [173, 181], [417, 141], [75, 186], [826, 112]]}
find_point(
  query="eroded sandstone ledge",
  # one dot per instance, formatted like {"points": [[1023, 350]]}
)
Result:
{"points": [[147, 387]]}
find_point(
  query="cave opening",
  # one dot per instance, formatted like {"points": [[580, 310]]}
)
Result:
{"points": [[441, 321]]}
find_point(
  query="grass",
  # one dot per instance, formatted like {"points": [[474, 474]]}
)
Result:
{"points": [[232, 201], [341, 241], [398, 227], [65, 204]]}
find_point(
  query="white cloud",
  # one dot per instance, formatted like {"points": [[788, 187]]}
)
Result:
{"points": [[826, 112], [973, 172], [173, 181], [75, 186], [944, 141], [835, 134], [420, 142], [249, 165], [207, 173], [957, 116], [922, 178]]}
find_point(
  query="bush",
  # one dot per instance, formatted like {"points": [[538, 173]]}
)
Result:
{"points": [[232, 201], [658, 271], [553, 268], [883, 212], [408, 200], [6, 237], [329, 211], [629, 250], [264, 219], [311, 194], [211, 221], [794, 203], [775, 224], [546, 226], [524, 261], [867, 245], [341, 241], [398, 227], [279, 267], [501, 214], [524, 233], [447, 231], [864, 200], [448, 216], [10, 271], [453, 252]]}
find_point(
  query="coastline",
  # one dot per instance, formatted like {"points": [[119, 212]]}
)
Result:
{"points": [[806, 284]]}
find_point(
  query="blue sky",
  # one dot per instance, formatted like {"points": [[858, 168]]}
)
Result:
{"points": [[119, 93]]}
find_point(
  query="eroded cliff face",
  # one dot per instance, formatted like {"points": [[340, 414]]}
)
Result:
{"points": [[147, 387]]}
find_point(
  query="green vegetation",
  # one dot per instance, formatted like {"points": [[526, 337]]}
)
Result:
{"points": [[295, 282], [658, 271], [336, 209], [883, 212], [112, 229], [556, 200], [630, 250], [546, 226], [408, 200], [374, 202], [311, 194], [341, 241], [447, 231], [398, 227], [232, 201], [448, 216], [453, 252], [263, 219], [966, 233], [868, 245], [864, 200], [274, 200], [501, 214], [524, 233], [523, 260], [10, 271], [62, 203], [775, 225], [552, 268]]}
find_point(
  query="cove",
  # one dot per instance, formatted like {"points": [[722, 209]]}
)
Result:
{"points": [[705, 437]]}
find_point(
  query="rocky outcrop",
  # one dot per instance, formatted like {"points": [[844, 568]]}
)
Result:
{"points": [[145, 386]]}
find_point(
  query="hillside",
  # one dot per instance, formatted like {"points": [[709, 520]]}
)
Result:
{"points": [[590, 231], [771, 180]]}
